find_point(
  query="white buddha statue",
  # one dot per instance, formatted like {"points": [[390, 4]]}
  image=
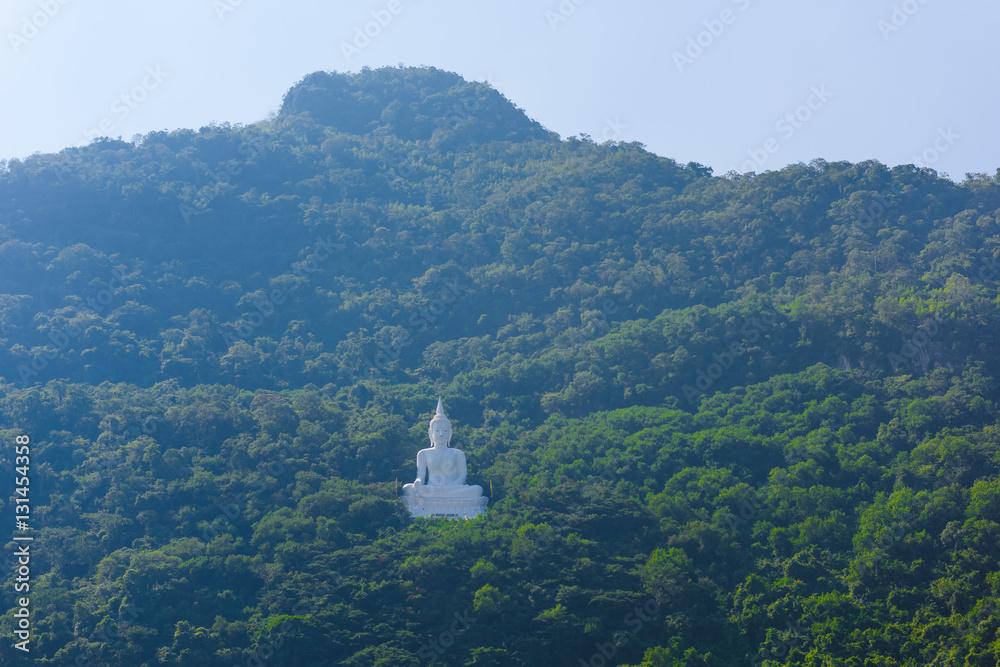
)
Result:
{"points": [[440, 489]]}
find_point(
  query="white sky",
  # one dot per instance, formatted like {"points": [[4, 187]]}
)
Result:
{"points": [[608, 64]]}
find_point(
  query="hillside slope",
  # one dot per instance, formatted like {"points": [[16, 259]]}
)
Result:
{"points": [[724, 420]]}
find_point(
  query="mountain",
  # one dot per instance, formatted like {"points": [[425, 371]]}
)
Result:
{"points": [[722, 420], [412, 104]]}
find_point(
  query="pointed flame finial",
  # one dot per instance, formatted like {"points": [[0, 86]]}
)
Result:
{"points": [[439, 415]]}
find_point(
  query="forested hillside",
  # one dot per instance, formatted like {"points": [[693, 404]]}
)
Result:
{"points": [[737, 420]]}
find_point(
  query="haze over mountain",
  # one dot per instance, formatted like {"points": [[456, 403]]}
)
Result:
{"points": [[723, 419]]}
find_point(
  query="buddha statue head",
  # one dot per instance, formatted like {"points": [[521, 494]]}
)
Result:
{"points": [[440, 428]]}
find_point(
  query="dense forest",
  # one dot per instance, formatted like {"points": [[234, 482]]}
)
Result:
{"points": [[722, 420]]}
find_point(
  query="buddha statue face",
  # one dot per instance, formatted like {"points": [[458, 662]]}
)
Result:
{"points": [[440, 434]]}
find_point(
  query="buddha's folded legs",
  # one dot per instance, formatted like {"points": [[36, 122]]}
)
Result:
{"points": [[465, 491]]}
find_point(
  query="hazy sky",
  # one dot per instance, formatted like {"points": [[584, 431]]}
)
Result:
{"points": [[733, 84]]}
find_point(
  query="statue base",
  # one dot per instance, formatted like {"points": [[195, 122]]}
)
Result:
{"points": [[445, 508]]}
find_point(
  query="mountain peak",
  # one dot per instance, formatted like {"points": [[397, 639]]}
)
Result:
{"points": [[411, 102]]}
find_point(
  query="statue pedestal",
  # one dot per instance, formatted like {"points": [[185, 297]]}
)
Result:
{"points": [[445, 508]]}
